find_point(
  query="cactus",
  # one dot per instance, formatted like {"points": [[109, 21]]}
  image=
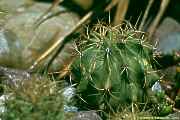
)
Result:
{"points": [[126, 114], [113, 68], [34, 99]]}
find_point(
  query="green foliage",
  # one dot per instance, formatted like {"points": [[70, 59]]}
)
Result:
{"points": [[113, 68], [163, 107], [34, 99]]}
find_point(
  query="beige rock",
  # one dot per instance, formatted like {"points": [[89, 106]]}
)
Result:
{"points": [[34, 41]]}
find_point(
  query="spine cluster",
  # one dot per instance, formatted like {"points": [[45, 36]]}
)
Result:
{"points": [[113, 68]]}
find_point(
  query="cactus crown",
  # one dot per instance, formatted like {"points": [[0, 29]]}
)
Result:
{"points": [[113, 68]]}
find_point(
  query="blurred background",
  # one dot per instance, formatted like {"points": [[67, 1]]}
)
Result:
{"points": [[136, 8]]}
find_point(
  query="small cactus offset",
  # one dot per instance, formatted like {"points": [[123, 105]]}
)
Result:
{"points": [[113, 68], [34, 99]]}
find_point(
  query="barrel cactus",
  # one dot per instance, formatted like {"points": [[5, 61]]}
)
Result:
{"points": [[114, 68]]}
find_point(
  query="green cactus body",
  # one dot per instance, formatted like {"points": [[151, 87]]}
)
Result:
{"points": [[114, 68]]}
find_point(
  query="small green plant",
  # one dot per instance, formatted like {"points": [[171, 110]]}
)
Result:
{"points": [[34, 99], [113, 69]]}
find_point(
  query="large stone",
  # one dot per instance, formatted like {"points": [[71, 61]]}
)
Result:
{"points": [[12, 77], [87, 115], [168, 36], [22, 43]]}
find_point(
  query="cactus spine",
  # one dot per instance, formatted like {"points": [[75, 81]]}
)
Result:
{"points": [[34, 99], [113, 68]]}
